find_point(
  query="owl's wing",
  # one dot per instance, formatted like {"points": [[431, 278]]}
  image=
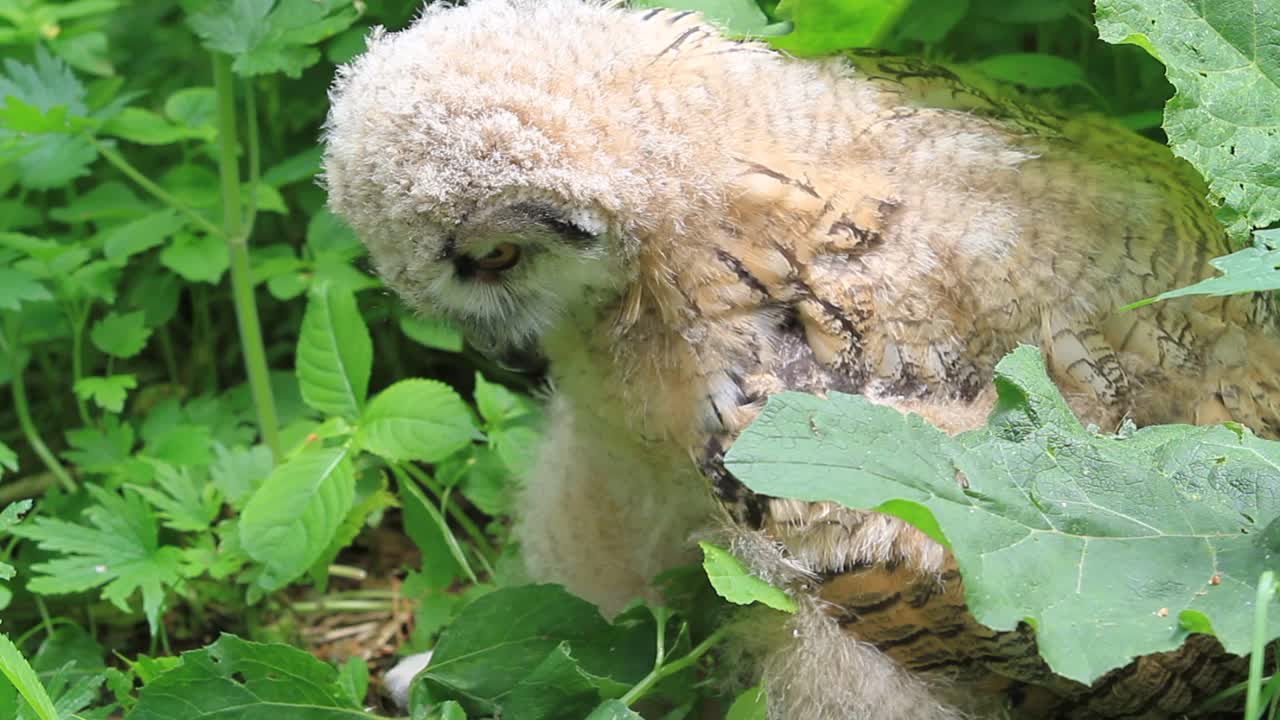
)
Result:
{"points": [[925, 346]]}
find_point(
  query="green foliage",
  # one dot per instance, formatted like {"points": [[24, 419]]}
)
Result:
{"points": [[1221, 58], [1253, 269], [1047, 510], [219, 411]]}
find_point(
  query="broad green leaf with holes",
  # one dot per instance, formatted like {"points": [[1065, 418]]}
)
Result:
{"points": [[1047, 511], [1223, 58]]}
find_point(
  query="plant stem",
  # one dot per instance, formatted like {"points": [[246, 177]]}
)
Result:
{"points": [[1258, 656], [255, 356], [473, 531], [78, 318], [255, 154], [156, 191], [19, 387], [661, 671]]}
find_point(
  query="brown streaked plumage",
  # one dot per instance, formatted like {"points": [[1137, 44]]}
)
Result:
{"points": [[713, 223]]}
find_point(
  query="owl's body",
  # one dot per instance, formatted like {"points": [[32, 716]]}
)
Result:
{"points": [[700, 223]]}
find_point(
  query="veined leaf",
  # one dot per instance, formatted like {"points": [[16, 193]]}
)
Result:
{"points": [[1049, 511], [121, 336], [17, 287], [1225, 117], [18, 671], [266, 36], [108, 392], [1252, 269], [119, 549], [289, 521], [335, 354], [416, 420]]}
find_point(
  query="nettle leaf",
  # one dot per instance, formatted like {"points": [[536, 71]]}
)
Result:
{"points": [[335, 354], [1050, 511], [1253, 269], [18, 286], [614, 710], [290, 520], [48, 156], [1225, 117], [416, 420], [183, 498], [824, 26], [737, 18], [733, 582], [534, 652], [119, 549], [266, 36], [108, 392], [121, 336], [234, 678]]}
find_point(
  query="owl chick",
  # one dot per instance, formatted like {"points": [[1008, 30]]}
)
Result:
{"points": [[684, 225]]}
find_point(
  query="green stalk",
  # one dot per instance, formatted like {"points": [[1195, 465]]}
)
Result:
{"points": [[255, 154], [1253, 695], [78, 319], [255, 355], [661, 671], [159, 193], [487, 552], [19, 387]]}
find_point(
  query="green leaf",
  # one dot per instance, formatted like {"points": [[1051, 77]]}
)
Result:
{"points": [[146, 128], [100, 449], [238, 472], [184, 500], [124, 241], [1252, 269], [10, 516], [196, 110], [8, 459], [47, 158], [106, 201], [353, 678], [738, 18], [825, 26], [18, 671], [86, 52], [442, 556], [297, 168], [197, 257], [234, 678], [329, 234], [752, 704], [17, 287], [537, 645], [497, 404], [1033, 70], [119, 549], [929, 22], [335, 354], [614, 710], [735, 583], [289, 521], [435, 333], [266, 36], [1049, 512], [121, 336], [108, 392], [1225, 117], [416, 420]]}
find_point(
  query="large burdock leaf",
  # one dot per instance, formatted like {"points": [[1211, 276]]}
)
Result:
{"points": [[1224, 59], [290, 520], [335, 354], [1101, 542]]}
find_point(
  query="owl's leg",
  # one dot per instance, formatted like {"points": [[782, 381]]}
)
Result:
{"points": [[602, 513]]}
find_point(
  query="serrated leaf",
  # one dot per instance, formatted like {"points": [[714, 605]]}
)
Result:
{"points": [[100, 449], [18, 672], [10, 516], [119, 549], [738, 18], [197, 257], [1250, 270], [17, 287], [422, 420], [290, 520], [238, 472], [1033, 70], [121, 336], [234, 678], [105, 201], [194, 108], [497, 404], [47, 157], [185, 501], [1225, 117], [614, 710], [733, 582], [266, 36], [1049, 512], [335, 354], [108, 392], [124, 241]]}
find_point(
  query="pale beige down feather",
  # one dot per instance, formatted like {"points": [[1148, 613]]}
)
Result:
{"points": [[685, 225]]}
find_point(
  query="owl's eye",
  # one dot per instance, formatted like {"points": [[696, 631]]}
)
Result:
{"points": [[502, 257]]}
